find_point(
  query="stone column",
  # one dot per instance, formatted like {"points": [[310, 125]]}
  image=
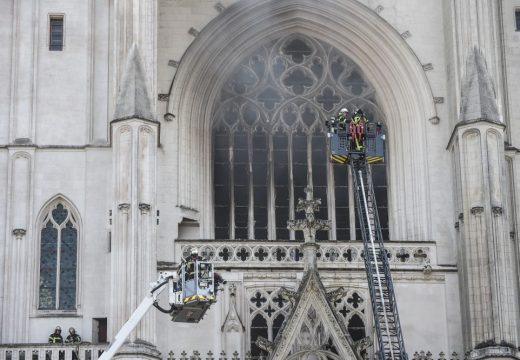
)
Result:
{"points": [[22, 109], [17, 287], [486, 259], [134, 254]]}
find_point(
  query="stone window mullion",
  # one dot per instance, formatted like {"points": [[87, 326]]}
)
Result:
{"points": [[251, 206], [331, 200], [351, 205], [58, 267], [271, 208], [231, 188], [309, 160], [291, 183]]}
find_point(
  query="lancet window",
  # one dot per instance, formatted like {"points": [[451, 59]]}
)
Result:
{"points": [[269, 141], [58, 258]]}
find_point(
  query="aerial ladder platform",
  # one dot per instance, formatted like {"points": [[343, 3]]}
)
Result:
{"points": [[345, 151]]}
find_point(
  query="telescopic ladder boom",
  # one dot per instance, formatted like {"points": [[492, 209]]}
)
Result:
{"points": [[384, 306]]}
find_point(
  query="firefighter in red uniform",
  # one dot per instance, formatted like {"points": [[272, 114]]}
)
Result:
{"points": [[356, 130]]}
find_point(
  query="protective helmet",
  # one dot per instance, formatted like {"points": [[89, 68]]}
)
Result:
{"points": [[344, 110], [57, 328], [194, 251], [72, 330]]}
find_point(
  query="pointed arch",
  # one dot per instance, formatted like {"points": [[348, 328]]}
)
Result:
{"points": [[388, 62], [57, 254]]}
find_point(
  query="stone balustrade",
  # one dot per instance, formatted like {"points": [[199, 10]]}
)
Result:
{"points": [[210, 355], [332, 254], [83, 351]]}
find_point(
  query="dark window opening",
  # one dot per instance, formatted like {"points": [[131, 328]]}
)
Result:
{"points": [[517, 19], [258, 329], [356, 328], [56, 33]]}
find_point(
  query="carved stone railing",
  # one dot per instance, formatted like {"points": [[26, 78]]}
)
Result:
{"points": [[332, 254], [210, 355], [82, 351]]}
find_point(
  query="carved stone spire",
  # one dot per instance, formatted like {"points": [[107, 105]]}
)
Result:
{"points": [[309, 226], [478, 91], [133, 100]]}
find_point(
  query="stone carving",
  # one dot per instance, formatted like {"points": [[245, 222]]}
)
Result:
{"points": [[362, 344], [310, 224], [406, 35], [434, 120], [427, 269], [438, 100], [144, 207], [163, 97], [336, 294], [288, 294], [219, 7], [193, 32], [232, 321], [124, 207], [497, 210], [173, 63], [264, 344], [379, 8], [477, 210], [19, 233], [169, 117], [428, 67]]}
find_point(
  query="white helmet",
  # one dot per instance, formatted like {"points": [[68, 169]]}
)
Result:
{"points": [[344, 110], [194, 251]]}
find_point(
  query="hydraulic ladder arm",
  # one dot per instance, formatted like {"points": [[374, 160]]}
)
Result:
{"points": [[157, 287], [384, 306]]}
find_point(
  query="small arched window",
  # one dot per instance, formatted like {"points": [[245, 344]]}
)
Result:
{"points": [[58, 258]]}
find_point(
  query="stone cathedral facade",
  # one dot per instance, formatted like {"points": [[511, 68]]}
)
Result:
{"points": [[132, 131]]}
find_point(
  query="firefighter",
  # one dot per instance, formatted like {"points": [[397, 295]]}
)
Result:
{"points": [[73, 337], [189, 264], [356, 130], [55, 337], [342, 119]]}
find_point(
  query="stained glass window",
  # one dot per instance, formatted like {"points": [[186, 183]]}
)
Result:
{"points": [[269, 141], [58, 259]]}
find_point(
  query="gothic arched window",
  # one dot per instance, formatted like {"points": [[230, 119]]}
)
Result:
{"points": [[58, 258], [269, 141]]}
